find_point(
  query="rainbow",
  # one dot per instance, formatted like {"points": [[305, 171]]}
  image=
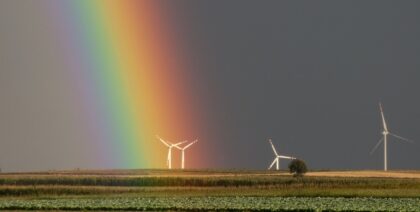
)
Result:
{"points": [[130, 76]]}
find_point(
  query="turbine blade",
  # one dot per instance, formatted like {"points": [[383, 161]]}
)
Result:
{"points": [[179, 143], [376, 146], [185, 147], [383, 117], [272, 146], [401, 138], [272, 164], [285, 157], [161, 140]]}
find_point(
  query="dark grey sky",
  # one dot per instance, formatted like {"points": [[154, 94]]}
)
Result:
{"points": [[309, 74]]}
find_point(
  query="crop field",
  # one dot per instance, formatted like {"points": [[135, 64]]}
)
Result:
{"points": [[209, 190], [218, 203]]}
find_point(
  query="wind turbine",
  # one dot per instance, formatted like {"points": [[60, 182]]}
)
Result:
{"points": [[384, 139], [183, 152], [170, 146], [277, 159]]}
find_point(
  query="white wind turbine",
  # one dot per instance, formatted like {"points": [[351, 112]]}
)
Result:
{"points": [[183, 152], [385, 133], [277, 159], [170, 146]]}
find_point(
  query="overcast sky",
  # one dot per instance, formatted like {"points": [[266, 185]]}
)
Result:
{"points": [[309, 74]]}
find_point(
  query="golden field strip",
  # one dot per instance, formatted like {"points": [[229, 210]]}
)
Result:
{"points": [[214, 173], [379, 174]]}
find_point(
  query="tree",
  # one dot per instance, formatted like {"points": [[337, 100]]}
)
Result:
{"points": [[297, 167]]}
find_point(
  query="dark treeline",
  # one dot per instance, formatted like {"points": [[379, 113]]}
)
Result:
{"points": [[274, 181]]}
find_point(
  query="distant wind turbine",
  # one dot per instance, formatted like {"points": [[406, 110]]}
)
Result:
{"points": [[385, 134], [277, 159], [183, 152], [170, 146]]}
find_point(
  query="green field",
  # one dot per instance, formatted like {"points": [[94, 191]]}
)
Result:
{"points": [[217, 203], [206, 190]]}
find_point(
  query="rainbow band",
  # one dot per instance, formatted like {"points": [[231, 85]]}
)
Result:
{"points": [[129, 77]]}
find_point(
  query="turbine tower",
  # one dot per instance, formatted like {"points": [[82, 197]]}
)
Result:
{"points": [[183, 152], [170, 146], [384, 139], [277, 159]]}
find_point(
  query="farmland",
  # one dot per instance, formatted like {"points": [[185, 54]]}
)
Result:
{"points": [[216, 203], [210, 190]]}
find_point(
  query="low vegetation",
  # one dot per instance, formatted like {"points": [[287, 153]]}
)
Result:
{"points": [[297, 167]]}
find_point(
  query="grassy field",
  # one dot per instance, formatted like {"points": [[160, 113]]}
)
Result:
{"points": [[210, 190]]}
